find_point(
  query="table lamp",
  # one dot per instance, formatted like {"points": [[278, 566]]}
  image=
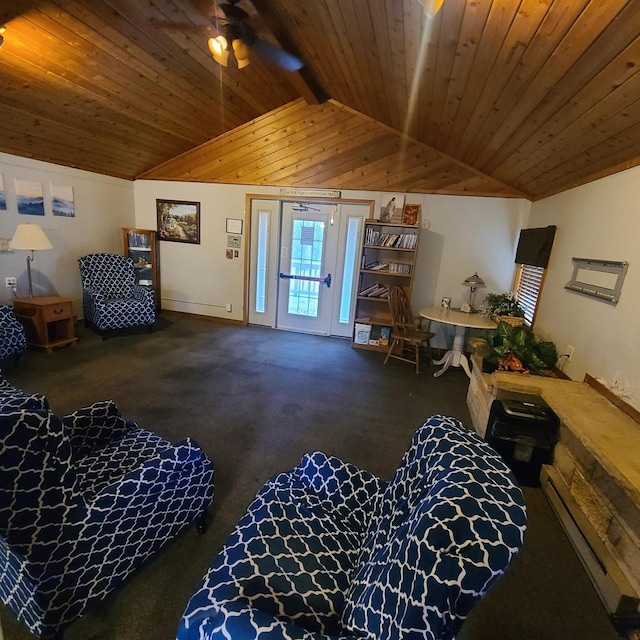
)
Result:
{"points": [[473, 282], [30, 237]]}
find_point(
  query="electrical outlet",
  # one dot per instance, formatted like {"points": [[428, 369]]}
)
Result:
{"points": [[10, 283], [570, 351], [228, 307]]}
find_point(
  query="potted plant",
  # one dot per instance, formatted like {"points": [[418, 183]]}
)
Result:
{"points": [[517, 349], [504, 307]]}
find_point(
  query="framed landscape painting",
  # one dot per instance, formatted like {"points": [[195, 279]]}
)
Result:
{"points": [[178, 221], [62, 203], [30, 198], [3, 197]]}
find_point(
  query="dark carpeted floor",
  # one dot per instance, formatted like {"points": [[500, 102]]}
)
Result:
{"points": [[256, 400]]}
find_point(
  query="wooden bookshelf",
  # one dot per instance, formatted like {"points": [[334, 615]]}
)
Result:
{"points": [[388, 258]]}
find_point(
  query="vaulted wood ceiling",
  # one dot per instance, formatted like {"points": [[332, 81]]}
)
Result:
{"points": [[520, 98]]}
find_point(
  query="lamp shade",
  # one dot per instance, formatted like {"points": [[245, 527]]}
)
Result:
{"points": [[241, 52], [30, 237], [474, 281], [219, 48]]}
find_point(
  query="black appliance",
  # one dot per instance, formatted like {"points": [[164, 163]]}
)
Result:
{"points": [[523, 429]]}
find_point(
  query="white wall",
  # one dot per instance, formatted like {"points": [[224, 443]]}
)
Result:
{"points": [[599, 220], [198, 278], [462, 235], [102, 207]]}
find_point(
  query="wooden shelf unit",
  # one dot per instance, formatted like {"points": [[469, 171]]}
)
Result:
{"points": [[141, 245], [374, 311]]}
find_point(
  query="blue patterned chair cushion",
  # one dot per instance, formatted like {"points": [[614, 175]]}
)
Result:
{"points": [[328, 550], [449, 523], [13, 339], [111, 299], [12, 398], [292, 554], [94, 427], [84, 500]]}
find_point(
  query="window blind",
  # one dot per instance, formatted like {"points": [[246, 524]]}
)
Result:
{"points": [[528, 288]]}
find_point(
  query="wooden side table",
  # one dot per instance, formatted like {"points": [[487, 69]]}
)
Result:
{"points": [[47, 320]]}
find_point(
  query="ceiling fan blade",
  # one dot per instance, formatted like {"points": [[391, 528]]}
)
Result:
{"points": [[272, 53]]}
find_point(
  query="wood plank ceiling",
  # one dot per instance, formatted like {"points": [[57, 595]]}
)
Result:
{"points": [[521, 98]]}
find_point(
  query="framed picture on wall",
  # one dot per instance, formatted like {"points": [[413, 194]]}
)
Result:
{"points": [[3, 197], [62, 202], [30, 197], [178, 221]]}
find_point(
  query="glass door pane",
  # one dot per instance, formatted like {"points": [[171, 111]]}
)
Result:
{"points": [[307, 244]]}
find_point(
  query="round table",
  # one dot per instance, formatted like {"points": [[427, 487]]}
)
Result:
{"points": [[461, 320]]}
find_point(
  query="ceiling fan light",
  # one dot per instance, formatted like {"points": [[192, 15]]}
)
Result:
{"points": [[219, 49], [241, 52]]}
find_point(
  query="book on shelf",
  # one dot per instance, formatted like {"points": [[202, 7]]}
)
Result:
{"points": [[377, 266], [368, 290], [399, 267], [375, 291], [392, 240], [385, 334]]}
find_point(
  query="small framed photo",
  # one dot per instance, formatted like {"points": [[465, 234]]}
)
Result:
{"points": [[234, 225], [411, 214], [178, 221]]}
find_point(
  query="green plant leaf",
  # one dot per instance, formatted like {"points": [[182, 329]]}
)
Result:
{"points": [[520, 341]]}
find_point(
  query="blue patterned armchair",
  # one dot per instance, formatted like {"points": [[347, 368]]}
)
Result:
{"points": [[328, 551], [84, 500], [111, 299], [13, 339]]}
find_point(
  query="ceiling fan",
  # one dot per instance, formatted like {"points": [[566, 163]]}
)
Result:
{"points": [[238, 35]]}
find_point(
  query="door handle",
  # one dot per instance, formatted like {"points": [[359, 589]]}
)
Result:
{"points": [[290, 276]]}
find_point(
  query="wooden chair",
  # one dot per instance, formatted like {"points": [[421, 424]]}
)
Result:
{"points": [[407, 333]]}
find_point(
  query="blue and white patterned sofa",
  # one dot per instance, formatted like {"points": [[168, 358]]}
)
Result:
{"points": [[13, 339], [84, 500], [327, 550], [111, 299]]}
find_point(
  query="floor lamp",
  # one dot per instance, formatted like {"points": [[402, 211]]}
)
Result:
{"points": [[30, 237]]}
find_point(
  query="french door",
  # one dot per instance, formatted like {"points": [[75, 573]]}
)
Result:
{"points": [[303, 265]]}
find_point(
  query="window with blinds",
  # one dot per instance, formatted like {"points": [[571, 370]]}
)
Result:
{"points": [[527, 289]]}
